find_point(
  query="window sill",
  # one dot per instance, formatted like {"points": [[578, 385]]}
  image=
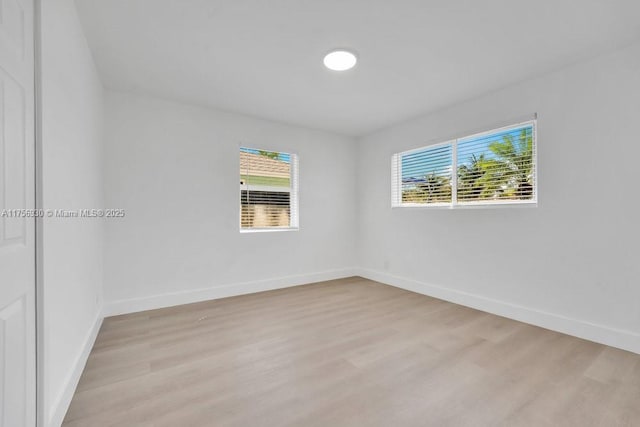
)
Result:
{"points": [[470, 205], [267, 230]]}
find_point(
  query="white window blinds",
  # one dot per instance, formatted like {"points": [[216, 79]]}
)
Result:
{"points": [[425, 176], [494, 167], [268, 190]]}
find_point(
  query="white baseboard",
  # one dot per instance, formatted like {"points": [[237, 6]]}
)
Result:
{"points": [[623, 339], [626, 340], [61, 404], [203, 294]]}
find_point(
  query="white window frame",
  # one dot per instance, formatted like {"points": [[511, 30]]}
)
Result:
{"points": [[396, 174], [294, 216]]}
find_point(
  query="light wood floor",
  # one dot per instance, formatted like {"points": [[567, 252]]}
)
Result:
{"points": [[348, 352]]}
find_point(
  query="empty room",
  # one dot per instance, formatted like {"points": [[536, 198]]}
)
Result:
{"points": [[319, 213]]}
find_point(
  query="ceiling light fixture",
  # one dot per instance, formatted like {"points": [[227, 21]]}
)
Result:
{"points": [[340, 60]]}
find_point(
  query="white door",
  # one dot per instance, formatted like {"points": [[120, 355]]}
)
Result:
{"points": [[17, 234]]}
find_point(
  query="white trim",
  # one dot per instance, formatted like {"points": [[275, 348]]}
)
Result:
{"points": [[41, 403], [396, 172], [427, 147], [494, 204], [267, 229], [63, 400], [620, 338], [435, 205], [294, 202], [535, 159], [454, 173], [498, 202], [269, 188], [171, 299]]}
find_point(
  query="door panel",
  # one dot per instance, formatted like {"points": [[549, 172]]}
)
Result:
{"points": [[14, 154], [13, 323], [17, 233]]}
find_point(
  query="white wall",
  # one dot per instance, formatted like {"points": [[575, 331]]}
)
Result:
{"points": [[72, 179], [571, 263], [175, 170]]}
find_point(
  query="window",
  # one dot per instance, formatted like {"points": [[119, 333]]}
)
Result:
{"points": [[268, 190], [491, 168]]}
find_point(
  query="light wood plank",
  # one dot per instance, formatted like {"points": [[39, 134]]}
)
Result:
{"points": [[347, 352]]}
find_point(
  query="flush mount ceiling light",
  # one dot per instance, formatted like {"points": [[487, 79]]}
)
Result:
{"points": [[340, 60]]}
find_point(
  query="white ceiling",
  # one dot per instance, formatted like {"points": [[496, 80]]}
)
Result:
{"points": [[264, 58]]}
